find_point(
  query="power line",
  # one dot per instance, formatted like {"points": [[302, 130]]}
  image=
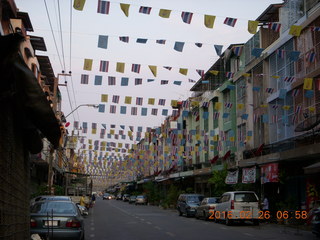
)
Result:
{"points": [[61, 38]]}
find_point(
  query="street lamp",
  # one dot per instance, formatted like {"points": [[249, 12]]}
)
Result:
{"points": [[81, 105]]}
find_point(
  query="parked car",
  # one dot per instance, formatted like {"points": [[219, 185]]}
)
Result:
{"points": [[56, 219], [49, 198], [238, 206], [119, 196], [106, 196], [132, 199], [316, 223], [126, 197], [187, 204], [206, 208], [141, 199]]}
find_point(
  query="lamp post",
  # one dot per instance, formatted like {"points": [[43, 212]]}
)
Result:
{"points": [[81, 105]]}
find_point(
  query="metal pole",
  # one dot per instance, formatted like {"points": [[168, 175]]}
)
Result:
{"points": [[50, 169]]}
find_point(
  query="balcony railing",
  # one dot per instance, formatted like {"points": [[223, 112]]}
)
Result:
{"points": [[304, 66]]}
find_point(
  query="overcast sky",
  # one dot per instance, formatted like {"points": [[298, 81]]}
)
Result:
{"points": [[87, 25]]}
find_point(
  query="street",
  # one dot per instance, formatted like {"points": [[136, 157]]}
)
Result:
{"points": [[117, 220]]}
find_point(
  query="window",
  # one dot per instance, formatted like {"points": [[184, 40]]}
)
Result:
{"points": [[226, 100], [245, 197]]}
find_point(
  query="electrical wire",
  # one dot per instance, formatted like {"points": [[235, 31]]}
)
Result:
{"points": [[54, 39], [61, 38]]}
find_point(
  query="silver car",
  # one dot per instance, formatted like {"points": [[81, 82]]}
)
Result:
{"points": [[141, 199], [206, 208], [56, 220]]}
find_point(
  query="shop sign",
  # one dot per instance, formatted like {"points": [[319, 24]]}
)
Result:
{"points": [[270, 173], [249, 175], [232, 177]]}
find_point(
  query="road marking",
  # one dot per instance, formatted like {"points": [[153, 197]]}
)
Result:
{"points": [[223, 228], [92, 223], [170, 234], [141, 219], [156, 227], [148, 222], [248, 234], [205, 223], [92, 229], [92, 235]]}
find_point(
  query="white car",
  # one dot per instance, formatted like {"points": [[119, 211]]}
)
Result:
{"points": [[238, 206]]}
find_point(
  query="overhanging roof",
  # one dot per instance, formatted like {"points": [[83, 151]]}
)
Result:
{"points": [[26, 20], [270, 14], [46, 69], [38, 43]]}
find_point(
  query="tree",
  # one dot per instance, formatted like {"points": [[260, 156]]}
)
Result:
{"points": [[218, 180]]}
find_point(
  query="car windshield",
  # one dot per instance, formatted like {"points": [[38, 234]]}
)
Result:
{"points": [[212, 200], [195, 199], [245, 197], [54, 207]]}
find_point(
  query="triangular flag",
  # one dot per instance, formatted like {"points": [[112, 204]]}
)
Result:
{"points": [[103, 42], [165, 13], [178, 46], [120, 67], [252, 26], [295, 30], [79, 4], [87, 64], [209, 21], [125, 8], [218, 49], [183, 71], [153, 70]]}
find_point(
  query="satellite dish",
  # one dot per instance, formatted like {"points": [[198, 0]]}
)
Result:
{"points": [[308, 124]]}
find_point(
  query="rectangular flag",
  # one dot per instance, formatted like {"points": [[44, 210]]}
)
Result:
{"points": [[164, 13], [139, 101], [230, 21], [252, 26], [162, 102], [154, 111], [308, 82], [295, 30], [257, 52], [294, 56], [311, 56], [163, 82], [127, 100], [142, 40], [98, 80], [115, 98], [178, 46], [79, 4], [135, 68], [84, 79], [113, 108], [120, 67], [269, 90], [145, 10], [161, 41], [198, 45], [228, 105], [104, 66], [123, 109], [137, 81], [103, 7], [124, 81], [124, 39], [274, 26], [209, 20], [280, 53], [111, 80], [102, 107], [134, 111], [237, 50], [144, 111], [151, 101], [186, 17], [164, 112], [150, 80], [289, 79], [103, 41], [183, 71], [87, 64], [177, 82], [200, 72], [185, 104], [104, 97]]}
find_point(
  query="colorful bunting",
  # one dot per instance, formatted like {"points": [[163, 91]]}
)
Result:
{"points": [[87, 64], [165, 13], [230, 21], [103, 42], [178, 46], [111, 80], [124, 81], [145, 10], [209, 21], [186, 17], [125, 8], [153, 69], [252, 26], [79, 4], [183, 71], [103, 7], [274, 26], [84, 79], [120, 67]]}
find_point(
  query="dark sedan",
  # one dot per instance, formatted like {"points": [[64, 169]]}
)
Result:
{"points": [[56, 219]]}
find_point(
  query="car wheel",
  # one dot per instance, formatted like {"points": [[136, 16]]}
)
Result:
{"points": [[228, 221]]}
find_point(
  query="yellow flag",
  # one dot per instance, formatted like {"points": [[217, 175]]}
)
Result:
{"points": [[111, 131], [90, 141], [104, 97], [79, 4], [90, 147], [217, 106], [240, 106], [129, 133], [214, 72], [295, 30], [165, 13], [125, 8], [246, 74], [231, 139], [215, 138], [94, 131], [248, 138], [209, 21], [120, 67], [264, 105], [192, 152], [183, 71], [307, 85], [252, 26], [120, 145], [174, 103], [312, 109], [127, 100], [166, 148], [153, 70], [195, 103], [211, 148], [196, 148], [198, 136], [87, 64], [151, 101], [286, 107], [276, 77], [181, 148], [180, 136]]}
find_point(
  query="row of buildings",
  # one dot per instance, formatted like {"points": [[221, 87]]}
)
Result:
{"points": [[257, 114]]}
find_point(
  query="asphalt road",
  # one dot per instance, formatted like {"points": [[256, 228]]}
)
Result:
{"points": [[118, 220]]}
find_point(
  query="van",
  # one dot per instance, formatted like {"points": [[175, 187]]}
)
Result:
{"points": [[188, 203], [238, 206]]}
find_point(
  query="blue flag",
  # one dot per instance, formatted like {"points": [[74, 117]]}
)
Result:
{"points": [[123, 110], [144, 111], [294, 55], [102, 107], [124, 81], [164, 112], [98, 80], [257, 52], [142, 40], [150, 80], [177, 82], [218, 49], [103, 42], [282, 93], [178, 46]]}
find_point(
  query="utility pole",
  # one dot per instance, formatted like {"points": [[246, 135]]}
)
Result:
{"points": [[50, 170]]}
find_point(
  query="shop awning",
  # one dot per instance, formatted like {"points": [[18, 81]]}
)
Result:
{"points": [[314, 168], [161, 180]]}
